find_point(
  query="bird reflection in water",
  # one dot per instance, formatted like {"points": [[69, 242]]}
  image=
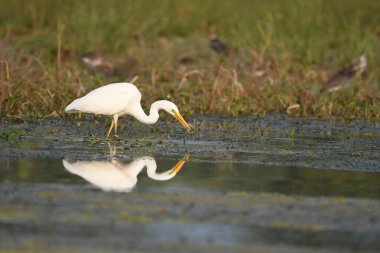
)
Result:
{"points": [[112, 175]]}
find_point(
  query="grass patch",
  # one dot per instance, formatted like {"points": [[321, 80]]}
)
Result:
{"points": [[280, 54]]}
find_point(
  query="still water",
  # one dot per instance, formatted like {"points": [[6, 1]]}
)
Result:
{"points": [[121, 175], [188, 204]]}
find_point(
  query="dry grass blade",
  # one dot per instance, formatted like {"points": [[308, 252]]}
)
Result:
{"points": [[134, 79], [186, 76]]}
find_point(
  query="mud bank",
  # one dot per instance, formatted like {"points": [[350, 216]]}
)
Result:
{"points": [[273, 140]]}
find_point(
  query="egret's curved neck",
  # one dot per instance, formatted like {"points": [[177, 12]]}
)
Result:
{"points": [[151, 168], [140, 115], [134, 168]]}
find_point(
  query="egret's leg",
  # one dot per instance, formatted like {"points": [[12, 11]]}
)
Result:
{"points": [[115, 118], [112, 149], [109, 131]]}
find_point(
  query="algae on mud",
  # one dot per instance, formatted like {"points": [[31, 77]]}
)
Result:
{"points": [[182, 218]]}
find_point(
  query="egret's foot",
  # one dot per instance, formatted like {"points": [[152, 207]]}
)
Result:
{"points": [[113, 136], [191, 129]]}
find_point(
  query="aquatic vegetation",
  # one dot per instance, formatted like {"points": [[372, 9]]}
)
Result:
{"points": [[11, 134], [292, 133]]}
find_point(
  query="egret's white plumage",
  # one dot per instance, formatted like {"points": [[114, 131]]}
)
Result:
{"points": [[115, 176], [117, 99], [111, 99]]}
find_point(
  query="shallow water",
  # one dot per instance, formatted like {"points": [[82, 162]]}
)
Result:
{"points": [[208, 175], [280, 185]]}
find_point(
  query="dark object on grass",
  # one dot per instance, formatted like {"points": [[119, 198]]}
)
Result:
{"points": [[217, 45], [186, 59], [338, 80], [98, 62], [129, 67]]}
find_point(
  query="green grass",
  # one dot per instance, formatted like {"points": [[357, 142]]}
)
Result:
{"points": [[298, 44]]}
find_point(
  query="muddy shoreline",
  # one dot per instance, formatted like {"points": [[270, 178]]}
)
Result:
{"points": [[274, 140]]}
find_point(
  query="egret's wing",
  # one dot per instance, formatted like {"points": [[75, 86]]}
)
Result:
{"points": [[107, 100], [103, 174]]}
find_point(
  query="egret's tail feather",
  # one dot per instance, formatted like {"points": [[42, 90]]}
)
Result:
{"points": [[70, 111], [72, 107]]}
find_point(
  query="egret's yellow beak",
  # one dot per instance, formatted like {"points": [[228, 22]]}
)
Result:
{"points": [[181, 120], [179, 165]]}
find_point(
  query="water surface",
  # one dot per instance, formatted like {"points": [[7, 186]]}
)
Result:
{"points": [[208, 175]]}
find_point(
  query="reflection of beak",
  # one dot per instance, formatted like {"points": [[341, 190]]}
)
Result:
{"points": [[179, 165], [182, 121]]}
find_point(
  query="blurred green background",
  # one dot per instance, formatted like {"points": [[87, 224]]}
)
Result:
{"points": [[308, 28]]}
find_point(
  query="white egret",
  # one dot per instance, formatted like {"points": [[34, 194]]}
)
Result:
{"points": [[115, 176], [117, 99]]}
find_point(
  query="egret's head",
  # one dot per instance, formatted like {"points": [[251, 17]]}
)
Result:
{"points": [[172, 109]]}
